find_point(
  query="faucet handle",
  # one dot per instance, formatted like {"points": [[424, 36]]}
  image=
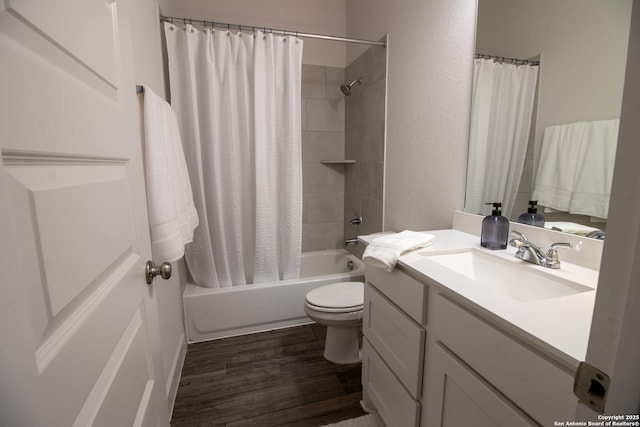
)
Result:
{"points": [[552, 254], [349, 242], [519, 235], [357, 219], [518, 242]]}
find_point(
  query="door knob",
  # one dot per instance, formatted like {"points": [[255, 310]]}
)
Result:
{"points": [[151, 271]]}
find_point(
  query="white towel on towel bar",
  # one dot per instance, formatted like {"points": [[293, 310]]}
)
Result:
{"points": [[383, 252], [172, 214]]}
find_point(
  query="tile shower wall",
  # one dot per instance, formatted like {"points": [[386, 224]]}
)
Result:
{"points": [[323, 138], [365, 133]]}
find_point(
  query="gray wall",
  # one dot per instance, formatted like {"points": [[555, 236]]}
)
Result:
{"points": [[323, 138], [365, 130], [431, 45]]}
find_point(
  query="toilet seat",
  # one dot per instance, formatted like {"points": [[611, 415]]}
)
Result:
{"points": [[339, 307], [341, 297]]}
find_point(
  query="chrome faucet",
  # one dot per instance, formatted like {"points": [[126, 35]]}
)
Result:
{"points": [[357, 220], [350, 242], [529, 252]]}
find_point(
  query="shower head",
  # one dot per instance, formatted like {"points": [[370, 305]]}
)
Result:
{"points": [[346, 89]]}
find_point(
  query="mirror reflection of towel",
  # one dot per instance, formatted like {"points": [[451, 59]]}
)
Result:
{"points": [[570, 227], [576, 167]]}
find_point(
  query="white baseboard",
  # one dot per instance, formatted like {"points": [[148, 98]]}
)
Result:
{"points": [[173, 380]]}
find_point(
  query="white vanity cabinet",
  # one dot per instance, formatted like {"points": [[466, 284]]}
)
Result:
{"points": [[460, 397], [525, 386], [393, 345], [438, 362]]}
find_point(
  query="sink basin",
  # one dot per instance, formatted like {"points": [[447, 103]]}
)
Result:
{"points": [[515, 279]]}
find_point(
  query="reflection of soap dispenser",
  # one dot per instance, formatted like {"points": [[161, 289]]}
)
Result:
{"points": [[495, 229], [532, 217]]}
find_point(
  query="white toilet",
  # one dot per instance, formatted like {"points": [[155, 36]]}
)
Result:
{"points": [[339, 307]]}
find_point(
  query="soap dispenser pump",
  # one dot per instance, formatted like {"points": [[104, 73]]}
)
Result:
{"points": [[495, 229], [531, 216]]}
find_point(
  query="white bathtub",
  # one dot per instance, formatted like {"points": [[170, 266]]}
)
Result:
{"points": [[212, 313]]}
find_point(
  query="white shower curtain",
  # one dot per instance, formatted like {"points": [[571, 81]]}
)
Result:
{"points": [[237, 98], [501, 110]]}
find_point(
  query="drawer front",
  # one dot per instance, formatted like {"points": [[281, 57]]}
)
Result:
{"points": [[406, 292], [533, 383], [391, 400], [397, 338]]}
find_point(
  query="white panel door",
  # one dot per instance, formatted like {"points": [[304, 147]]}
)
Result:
{"points": [[614, 340], [78, 327]]}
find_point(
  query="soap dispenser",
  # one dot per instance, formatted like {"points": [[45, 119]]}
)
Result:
{"points": [[495, 229], [532, 217]]}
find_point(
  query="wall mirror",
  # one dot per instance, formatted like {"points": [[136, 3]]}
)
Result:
{"points": [[581, 46]]}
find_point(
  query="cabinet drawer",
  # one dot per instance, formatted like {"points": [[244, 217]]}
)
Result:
{"points": [[406, 292], [536, 385], [391, 400], [397, 338]]}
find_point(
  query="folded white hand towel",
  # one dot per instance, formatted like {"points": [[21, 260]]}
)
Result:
{"points": [[172, 214], [383, 252]]}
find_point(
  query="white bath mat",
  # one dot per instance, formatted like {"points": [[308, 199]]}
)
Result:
{"points": [[369, 420]]}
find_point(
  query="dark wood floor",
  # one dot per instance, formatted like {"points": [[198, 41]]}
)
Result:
{"points": [[276, 378]]}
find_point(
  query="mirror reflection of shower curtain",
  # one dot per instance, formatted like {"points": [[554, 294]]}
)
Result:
{"points": [[501, 110], [237, 98]]}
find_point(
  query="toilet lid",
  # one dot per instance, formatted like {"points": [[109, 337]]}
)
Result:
{"points": [[337, 295]]}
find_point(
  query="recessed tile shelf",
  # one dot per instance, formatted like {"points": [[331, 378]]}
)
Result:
{"points": [[332, 162]]}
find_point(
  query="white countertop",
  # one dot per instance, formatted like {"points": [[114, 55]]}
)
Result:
{"points": [[559, 327]]}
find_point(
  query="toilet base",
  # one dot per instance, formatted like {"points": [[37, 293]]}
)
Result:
{"points": [[342, 345]]}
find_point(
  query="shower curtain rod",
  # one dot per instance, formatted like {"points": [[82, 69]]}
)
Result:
{"points": [[507, 60], [240, 27]]}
